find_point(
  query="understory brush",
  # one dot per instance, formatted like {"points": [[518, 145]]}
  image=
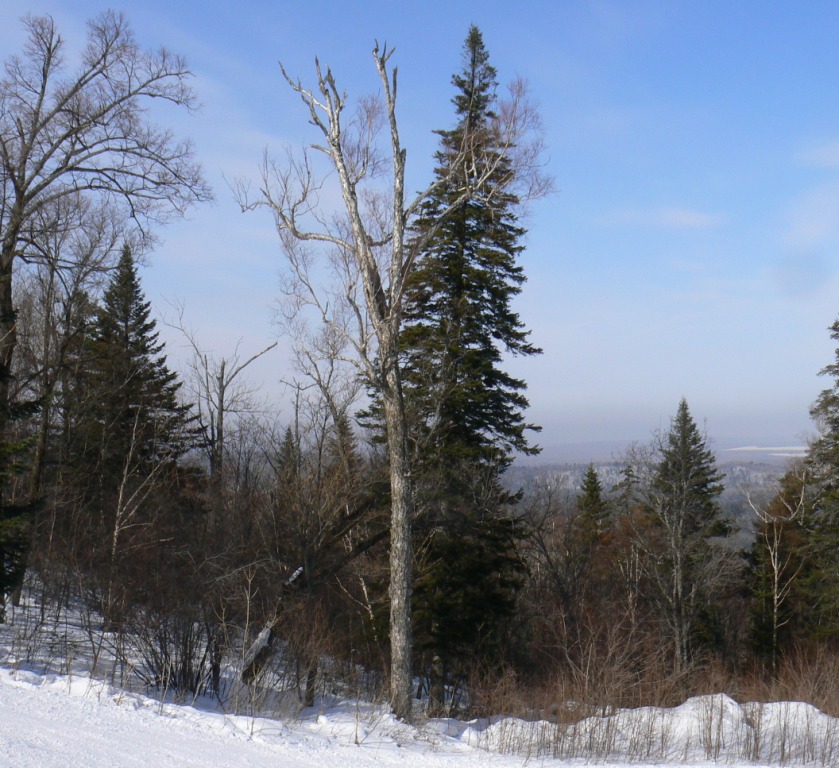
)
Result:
{"points": [[646, 712]]}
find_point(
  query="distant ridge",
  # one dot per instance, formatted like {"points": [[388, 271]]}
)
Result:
{"points": [[599, 452], [779, 451], [762, 453]]}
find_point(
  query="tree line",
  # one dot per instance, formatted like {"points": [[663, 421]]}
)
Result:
{"points": [[376, 528]]}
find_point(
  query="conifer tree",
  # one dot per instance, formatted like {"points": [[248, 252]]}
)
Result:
{"points": [[136, 394], [15, 514], [467, 413], [680, 499], [458, 316], [687, 477], [590, 503], [823, 520], [126, 426], [588, 534]]}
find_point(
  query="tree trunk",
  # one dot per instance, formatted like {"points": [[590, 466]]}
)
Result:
{"points": [[311, 682], [437, 688], [215, 660], [400, 547], [40, 448], [8, 342]]}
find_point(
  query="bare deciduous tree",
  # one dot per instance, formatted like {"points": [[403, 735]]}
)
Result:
{"points": [[371, 259], [218, 392], [85, 134], [66, 265], [782, 563]]}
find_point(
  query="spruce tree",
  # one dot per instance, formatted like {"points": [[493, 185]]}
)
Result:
{"points": [[687, 477], [682, 502], [16, 515], [590, 503], [824, 452], [459, 318], [126, 426], [467, 413], [587, 535], [135, 394], [822, 523]]}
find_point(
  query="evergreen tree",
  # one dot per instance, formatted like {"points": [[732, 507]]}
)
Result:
{"points": [[687, 477], [824, 452], [15, 514], [131, 392], [464, 596], [592, 506], [682, 502], [458, 314], [14, 546], [589, 532], [823, 520], [467, 413], [127, 428]]}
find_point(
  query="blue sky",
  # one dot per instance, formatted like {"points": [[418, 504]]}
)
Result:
{"points": [[692, 248]]}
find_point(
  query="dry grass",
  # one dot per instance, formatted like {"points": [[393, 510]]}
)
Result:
{"points": [[642, 712]]}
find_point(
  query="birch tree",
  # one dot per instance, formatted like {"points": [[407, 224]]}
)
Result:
{"points": [[370, 260], [778, 557]]}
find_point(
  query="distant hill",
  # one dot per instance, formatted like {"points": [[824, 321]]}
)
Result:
{"points": [[779, 452], [743, 480], [739, 476]]}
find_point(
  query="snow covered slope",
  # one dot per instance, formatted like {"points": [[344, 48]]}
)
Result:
{"points": [[50, 721]]}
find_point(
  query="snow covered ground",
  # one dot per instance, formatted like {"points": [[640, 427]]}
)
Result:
{"points": [[47, 721], [52, 721], [54, 713]]}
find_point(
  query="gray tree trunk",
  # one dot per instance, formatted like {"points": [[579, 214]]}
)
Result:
{"points": [[401, 644]]}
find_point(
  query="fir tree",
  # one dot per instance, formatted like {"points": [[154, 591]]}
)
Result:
{"points": [[127, 428], [823, 522], [464, 597], [467, 413], [590, 503], [16, 515], [132, 393], [682, 502], [586, 537], [824, 453], [458, 317], [687, 478]]}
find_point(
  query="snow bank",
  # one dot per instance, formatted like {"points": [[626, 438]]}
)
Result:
{"points": [[53, 720]]}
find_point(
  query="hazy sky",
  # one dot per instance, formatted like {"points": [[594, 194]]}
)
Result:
{"points": [[692, 248]]}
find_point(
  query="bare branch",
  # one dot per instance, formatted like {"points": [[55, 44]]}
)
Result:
{"points": [[83, 140]]}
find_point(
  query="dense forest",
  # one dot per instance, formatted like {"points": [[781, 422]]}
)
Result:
{"points": [[374, 534]]}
